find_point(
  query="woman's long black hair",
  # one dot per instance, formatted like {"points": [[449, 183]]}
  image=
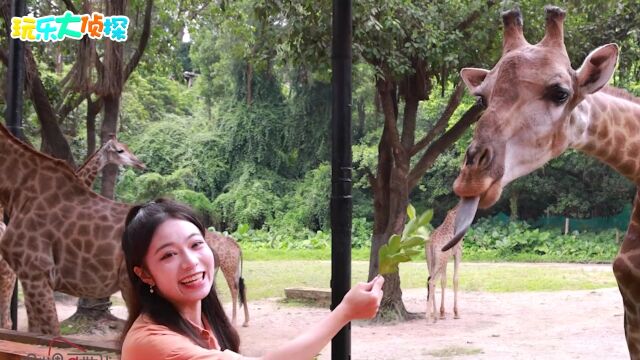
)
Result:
{"points": [[140, 225]]}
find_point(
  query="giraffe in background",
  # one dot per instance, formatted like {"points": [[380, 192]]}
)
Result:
{"points": [[228, 256], [62, 236], [437, 263], [536, 107], [112, 152]]}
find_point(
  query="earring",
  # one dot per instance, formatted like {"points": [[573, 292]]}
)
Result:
{"points": [[151, 289]]}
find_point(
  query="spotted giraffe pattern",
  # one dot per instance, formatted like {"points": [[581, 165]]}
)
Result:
{"points": [[536, 107], [62, 236], [437, 264], [7, 281], [229, 260], [112, 152]]}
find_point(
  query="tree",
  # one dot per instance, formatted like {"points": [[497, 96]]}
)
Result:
{"points": [[411, 47]]}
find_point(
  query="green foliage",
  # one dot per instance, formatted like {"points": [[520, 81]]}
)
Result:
{"points": [[401, 248], [308, 204], [284, 238], [197, 201], [252, 198], [518, 238], [149, 186]]}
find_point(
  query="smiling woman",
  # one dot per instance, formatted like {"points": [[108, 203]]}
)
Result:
{"points": [[174, 310], [171, 271]]}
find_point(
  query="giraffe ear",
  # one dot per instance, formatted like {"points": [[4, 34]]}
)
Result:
{"points": [[473, 77], [597, 69]]}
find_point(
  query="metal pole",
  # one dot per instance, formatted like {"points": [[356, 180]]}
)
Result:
{"points": [[13, 115], [341, 201]]}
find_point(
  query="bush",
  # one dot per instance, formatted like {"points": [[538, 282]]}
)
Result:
{"points": [[518, 240], [197, 201]]}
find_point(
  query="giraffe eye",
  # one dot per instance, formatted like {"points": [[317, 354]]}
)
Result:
{"points": [[558, 95], [480, 100], [119, 151]]}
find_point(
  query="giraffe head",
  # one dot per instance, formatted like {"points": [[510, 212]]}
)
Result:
{"points": [[119, 154], [529, 97]]}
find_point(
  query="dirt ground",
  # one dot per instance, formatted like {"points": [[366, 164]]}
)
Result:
{"points": [[531, 325]]}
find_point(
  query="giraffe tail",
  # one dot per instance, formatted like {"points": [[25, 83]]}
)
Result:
{"points": [[243, 292], [242, 289], [428, 280]]}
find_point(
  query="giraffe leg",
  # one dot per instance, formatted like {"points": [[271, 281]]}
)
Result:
{"points": [[230, 276], [430, 256], [627, 283], [243, 300], [40, 304], [625, 269], [443, 285], [432, 295], [7, 281], [456, 265]]}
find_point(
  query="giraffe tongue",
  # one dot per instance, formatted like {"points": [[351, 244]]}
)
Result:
{"points": [[466, 212]]}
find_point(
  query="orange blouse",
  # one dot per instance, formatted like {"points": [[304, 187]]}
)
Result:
{"points": [[147, 340]]}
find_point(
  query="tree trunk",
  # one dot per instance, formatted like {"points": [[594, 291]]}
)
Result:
{"points": [[360, 104], [249, 84], [53, 141], [109, 126], [59, 63], [513, 206], [391, 197], [392, 308], [93, 109]]}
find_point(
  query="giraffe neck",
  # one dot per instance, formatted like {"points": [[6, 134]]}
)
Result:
{"points": [[88, 172], [25, 172], [608, 128]]}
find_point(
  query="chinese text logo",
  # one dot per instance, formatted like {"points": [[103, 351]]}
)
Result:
{"points": [[58, 28]]}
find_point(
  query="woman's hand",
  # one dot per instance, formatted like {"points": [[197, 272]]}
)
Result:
{"points": [[363, 300]]}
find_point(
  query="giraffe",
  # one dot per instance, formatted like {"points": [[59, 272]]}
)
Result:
{"points": [[7, 281], [62, 236], [437, 263], [112, 152], [537, 106], [228, 256]]}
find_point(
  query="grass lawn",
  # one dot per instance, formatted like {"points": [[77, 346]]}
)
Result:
{"points": [[268, 278]]}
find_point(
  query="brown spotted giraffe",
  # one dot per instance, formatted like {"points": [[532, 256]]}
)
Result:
{"points": [[537, 106], [62, 236], [229, 259], [7, 281], [437, 263], [111, 152]]}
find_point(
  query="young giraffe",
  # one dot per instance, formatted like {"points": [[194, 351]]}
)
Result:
{"points": [[62, 236], [112, 152], [537, 106], [228, 256], [437, 263]]}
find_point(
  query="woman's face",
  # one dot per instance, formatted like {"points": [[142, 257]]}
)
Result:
{"points": [[179, 263]]}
